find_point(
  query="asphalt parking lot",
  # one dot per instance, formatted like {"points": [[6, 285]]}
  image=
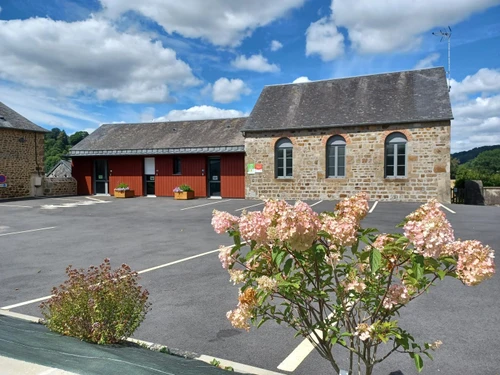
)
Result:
{"points": [[40, 238]]}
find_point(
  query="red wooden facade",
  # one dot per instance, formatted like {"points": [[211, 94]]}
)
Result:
{"points": [[130, 170]]}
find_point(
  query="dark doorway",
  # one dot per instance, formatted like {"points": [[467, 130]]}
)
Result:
{"points": [[101, 176], [214, 176], [150, 185]]}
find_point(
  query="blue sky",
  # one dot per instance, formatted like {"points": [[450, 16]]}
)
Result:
{"points": [[75, 64]]}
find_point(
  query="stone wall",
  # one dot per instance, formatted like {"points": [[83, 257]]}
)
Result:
{"points": [[428, 164], [491, 196], [56, 186], [21, 157]]}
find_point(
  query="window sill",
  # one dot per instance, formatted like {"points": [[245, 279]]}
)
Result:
{"points": [[336, 178], [284, 178]]}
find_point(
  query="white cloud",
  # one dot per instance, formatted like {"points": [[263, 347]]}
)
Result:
{"points": [[428, 61], [478, 107], [222, 22], [92, 57], [256, 63], [477, 119], [201, 112], [276, 45], [301, 80], [379, 26], [484, 81], [227, 91], [323, 39], [45, 109]]}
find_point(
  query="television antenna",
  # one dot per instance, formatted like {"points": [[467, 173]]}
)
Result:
{"points": [[446, 34]]}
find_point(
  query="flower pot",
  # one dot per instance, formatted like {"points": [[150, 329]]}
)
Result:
{"points": [[124, 194], [184, 195]]}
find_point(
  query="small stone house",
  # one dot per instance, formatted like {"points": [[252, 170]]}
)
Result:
{"points": [[21, 154], [386, 134]]}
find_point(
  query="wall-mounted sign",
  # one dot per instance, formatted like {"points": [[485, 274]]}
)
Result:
{"points": [[251, 168], [215, 178], [258, 168], [3, 179], [3, 185]]}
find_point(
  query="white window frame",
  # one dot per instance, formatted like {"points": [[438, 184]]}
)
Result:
{"points": [[333, 145], [392, 141], [284, 149]]}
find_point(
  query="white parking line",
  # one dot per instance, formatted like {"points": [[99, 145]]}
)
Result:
{"points": [[373, 207], [253, 205], [26, 231], [206, 204], [178, 261], [15, 205], [25, 303], [314, 204], [300, 353], [95, 199], [447, 209], [140, 272]]}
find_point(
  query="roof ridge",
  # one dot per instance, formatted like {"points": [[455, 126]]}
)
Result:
{"points": [[354, 76], [176, 121]]}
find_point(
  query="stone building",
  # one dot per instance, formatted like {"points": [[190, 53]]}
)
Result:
{"points": [[386, 134], [21, 155]]}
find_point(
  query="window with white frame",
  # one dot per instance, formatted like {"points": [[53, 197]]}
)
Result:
{"points": [[395, 155], [284, 158], [335, 157]]}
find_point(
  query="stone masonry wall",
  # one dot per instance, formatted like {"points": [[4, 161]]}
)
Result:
{"points": [[56, 186], [428, 164], [21, 157]]}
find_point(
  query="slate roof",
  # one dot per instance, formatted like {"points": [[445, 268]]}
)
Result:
{"points": [[198, 136], [63, 167], [402, 97], [10, 119]]}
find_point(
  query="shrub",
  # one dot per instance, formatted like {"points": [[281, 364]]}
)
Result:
{"points": [[122, 186], [338, 284], [99, 305], [181, 188]]}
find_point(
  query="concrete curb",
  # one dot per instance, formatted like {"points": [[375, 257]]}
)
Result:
{"points": [[238, 367]]}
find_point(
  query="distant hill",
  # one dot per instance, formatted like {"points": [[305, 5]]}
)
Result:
{"points": [[466, 156]]}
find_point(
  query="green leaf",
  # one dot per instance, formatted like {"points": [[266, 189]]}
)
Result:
{"points": [[375, 259], [288, 266], [441, 274], [418, 266], [419, 363], [280, 257]]}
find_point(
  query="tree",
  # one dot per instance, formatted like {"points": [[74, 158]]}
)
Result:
{"points": [[57, 145], [454, 163], [77, 137], [487, 162]]}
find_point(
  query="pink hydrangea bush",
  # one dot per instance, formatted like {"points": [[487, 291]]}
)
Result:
{"points": [[337, 283]]}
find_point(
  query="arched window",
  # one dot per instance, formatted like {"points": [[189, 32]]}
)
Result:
{"points": [[395, 155], [335, 157], [283, 158]]}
